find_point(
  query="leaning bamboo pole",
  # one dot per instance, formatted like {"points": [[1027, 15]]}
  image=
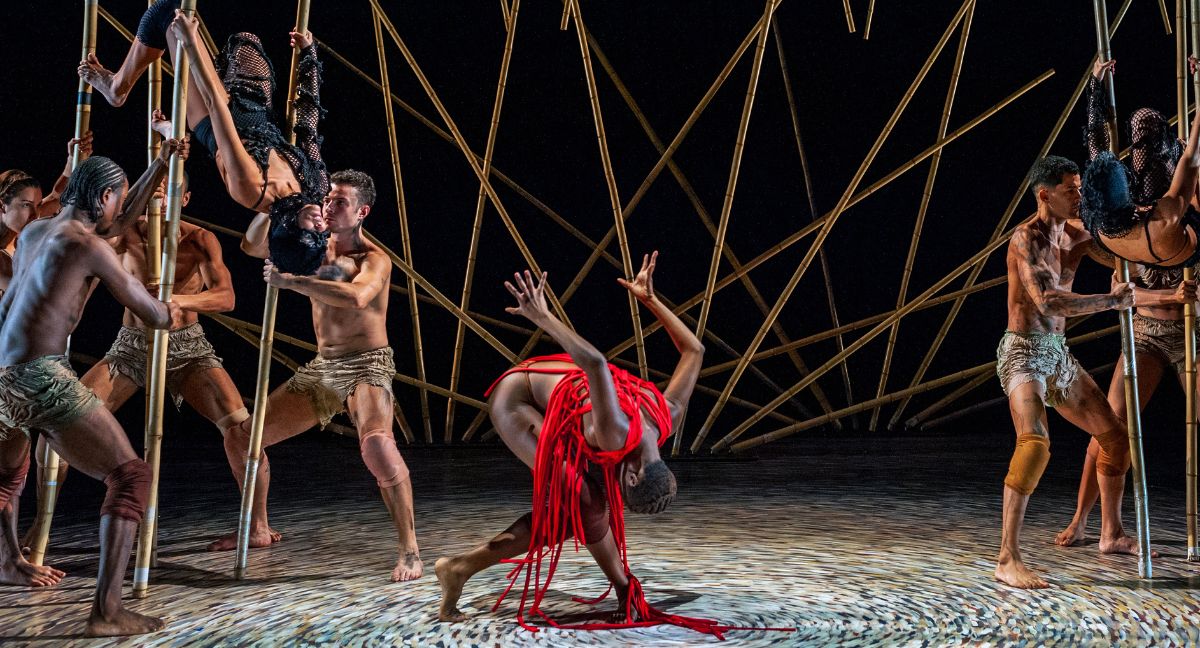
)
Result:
{"points": [[1166, 16], [935, 346], [825, 229], [48, 462], [470, 156], [870, 16], [1189, 340], [926, 195], [262, 388], [1133, 419], [156, 383], [405, 238], [481, 202], [920, 417], [849, 15], [610, 180]]}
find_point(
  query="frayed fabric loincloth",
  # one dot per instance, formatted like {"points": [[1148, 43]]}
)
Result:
{"points": [[44, 393], [1037, 357], [1160, 337], [187, 351], [330, 381]]}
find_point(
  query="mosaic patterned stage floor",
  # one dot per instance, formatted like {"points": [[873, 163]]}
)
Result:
{"points": [[866, 542]]}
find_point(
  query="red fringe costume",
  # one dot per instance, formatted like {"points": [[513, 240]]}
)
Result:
{"points": [[562, 458]]}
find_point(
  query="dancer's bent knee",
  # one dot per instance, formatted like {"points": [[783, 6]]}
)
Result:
{"points": [[128, 490], [1028, 463], [382, 457]]}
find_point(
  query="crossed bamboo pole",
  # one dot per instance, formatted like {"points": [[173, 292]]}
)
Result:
{"points": [[262, 389], [926, 195], [402, 210], [825, 229], [157, 380], [510, 20], [1189, 324]]}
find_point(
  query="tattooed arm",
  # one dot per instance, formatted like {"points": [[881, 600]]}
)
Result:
{"points": [[1042, 282]]}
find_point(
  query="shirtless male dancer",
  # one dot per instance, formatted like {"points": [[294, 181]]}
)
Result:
{"points": [[525, 401], [1037, 370], [354, 369], [59, 260], [195, 374]]}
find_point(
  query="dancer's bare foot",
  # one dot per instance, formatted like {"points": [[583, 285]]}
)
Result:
{"points": [[1072, 535], [160, 124], [258, 539], [101, 80], [408, 567], [1122, 544], [22, 573], [121, 623], [1011, 571], [451, 580]]}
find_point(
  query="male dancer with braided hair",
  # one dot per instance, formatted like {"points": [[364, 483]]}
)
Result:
{"points": [[1037, 370], [557, 414], [56, 267]]}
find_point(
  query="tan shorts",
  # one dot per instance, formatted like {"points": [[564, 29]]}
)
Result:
{"points": [[1040, 357], [43, 393], [1159, 337], [187, 350], [330, 381]]}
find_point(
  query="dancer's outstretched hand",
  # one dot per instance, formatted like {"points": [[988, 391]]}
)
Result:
{"points": [[301, 40], [531, 297], [642, 286], [85, 151]]}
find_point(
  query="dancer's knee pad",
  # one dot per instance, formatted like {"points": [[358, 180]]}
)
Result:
{"points": [[128, 490], [382, 457], [12, 482], [1028, 463], [1114, 453], [152, 29], [232, 419]]}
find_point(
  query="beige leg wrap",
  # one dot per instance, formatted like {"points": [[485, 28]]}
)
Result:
{"points": [[1028, 463], [231, 419], [382, 457], [1114, 453]]}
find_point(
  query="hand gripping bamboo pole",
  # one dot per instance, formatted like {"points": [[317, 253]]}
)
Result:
{"points": [[405, 238], [1133, 418], [481, 202], [48, 461], [1189, 341], [262, 388], [156, 380]]}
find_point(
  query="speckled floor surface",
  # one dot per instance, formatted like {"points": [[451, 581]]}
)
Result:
{"points": [[864, 542]]}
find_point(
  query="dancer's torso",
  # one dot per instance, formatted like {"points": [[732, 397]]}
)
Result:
{"points": [[188, 259], [1061, 256], [344, 331]]}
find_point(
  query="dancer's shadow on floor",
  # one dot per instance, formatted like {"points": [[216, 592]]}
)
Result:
{"points": [[561, 607], [193, 577]]}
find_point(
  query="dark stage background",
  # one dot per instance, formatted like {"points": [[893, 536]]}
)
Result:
{"points": [[667, 53]]}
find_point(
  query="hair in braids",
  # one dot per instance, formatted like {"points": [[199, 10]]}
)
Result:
{"points": [[88, 183], [13, 182]]}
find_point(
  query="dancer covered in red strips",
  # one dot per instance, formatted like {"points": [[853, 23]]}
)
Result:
{"points": [[561, 414]]}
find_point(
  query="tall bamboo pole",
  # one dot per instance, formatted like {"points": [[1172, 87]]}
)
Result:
{"points": [[157, 379], [1018, 195], [402, 210], [870, 16], [262, 388], [48, 462], [825, 229], [1133, 417], [849, 15], [480, 204], [1189, 336], [610, 179], [1166, 16], [926, 195]]}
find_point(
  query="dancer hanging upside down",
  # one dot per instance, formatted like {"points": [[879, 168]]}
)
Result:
{"points": [[230, 111], [1126, 216], [1037, 370], [56, 267], [1160, 294], [560, 413]]}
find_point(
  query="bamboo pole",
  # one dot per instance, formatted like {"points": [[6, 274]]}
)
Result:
{"points": [[919, 418], [1189, 345], [566, 15], [1166, 16], [849, 15], [111, 20], [1004, 220], [870, 15], [480, 203], [826, 274], [262, 388], [507, 13], [470, 156], [157, 379], [49, 460], [154, 223], [610, 180], [405, 238], [825, 229], [926, 195], [1133, 419]]}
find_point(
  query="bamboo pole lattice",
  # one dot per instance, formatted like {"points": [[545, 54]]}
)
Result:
{"points": [[1192, 460]]}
